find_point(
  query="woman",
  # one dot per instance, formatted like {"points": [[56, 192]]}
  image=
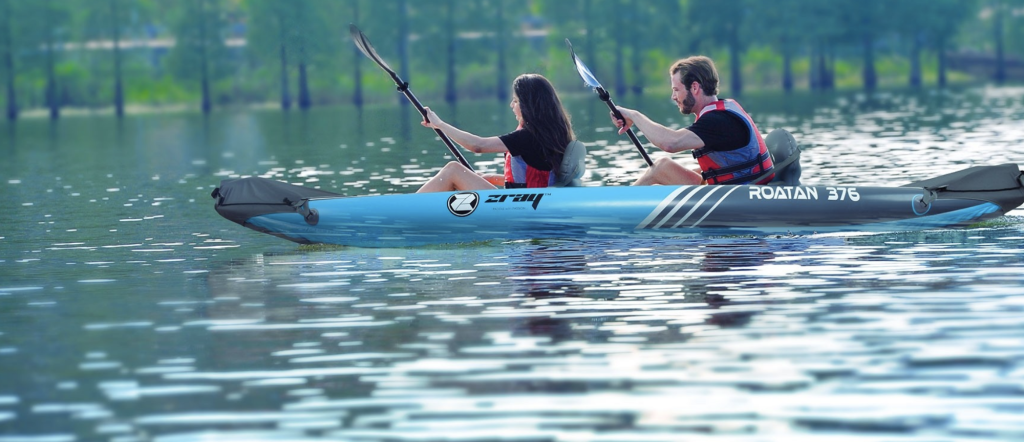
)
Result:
{"points": [[533, 152]]}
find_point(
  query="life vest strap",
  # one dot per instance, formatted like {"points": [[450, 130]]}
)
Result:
{"points": [[712, 175], [763, 178]]}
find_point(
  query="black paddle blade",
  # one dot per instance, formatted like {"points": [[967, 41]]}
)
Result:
{"points": [[365, 47], [582, 69]]}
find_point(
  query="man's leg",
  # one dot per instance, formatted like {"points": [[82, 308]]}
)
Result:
{"points": [[666, 171]]}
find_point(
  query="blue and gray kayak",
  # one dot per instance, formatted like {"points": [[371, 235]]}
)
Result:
{"points": [[307, 215]]}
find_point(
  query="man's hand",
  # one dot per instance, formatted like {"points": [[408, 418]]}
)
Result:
{"points": [[625, 124]]}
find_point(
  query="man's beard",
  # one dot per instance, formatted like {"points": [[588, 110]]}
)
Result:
{"points": [[688, 103]]}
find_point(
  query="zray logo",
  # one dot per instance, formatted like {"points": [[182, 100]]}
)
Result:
{"points": [[517, 198], [463, 203]]}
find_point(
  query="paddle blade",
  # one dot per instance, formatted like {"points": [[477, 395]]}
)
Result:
{"points": [[365, 47], [584, 71]]}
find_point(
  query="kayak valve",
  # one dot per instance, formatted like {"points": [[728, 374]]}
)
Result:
{"points": [[922, 203]]}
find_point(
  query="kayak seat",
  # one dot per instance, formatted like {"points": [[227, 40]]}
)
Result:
{"points": [[574, 163], [785, 156]]}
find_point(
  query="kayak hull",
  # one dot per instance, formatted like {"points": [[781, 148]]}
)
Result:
{"points": [[587, 212]]}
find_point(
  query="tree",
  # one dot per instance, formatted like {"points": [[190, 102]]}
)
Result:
{"points": [[357, 60], [725, 22], [8, 59], [998, 17], [785, 23], [53, 18], [403, 48], [200, 51], [106, 20], [862, 23], [450, 95], [620, 64], [824, 29], [271, 21], [931, 24], [501, 84]]}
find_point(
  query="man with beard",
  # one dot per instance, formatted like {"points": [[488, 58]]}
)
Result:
{"points": [[723, 138]]}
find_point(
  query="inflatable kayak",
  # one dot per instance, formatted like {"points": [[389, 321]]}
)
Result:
{"points": [[307, 215]]}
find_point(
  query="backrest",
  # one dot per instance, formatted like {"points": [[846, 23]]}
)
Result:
{"points": [[570, 171], [786, 156]]}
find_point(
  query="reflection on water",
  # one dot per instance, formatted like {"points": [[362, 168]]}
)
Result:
{"points": [[129, 311]]}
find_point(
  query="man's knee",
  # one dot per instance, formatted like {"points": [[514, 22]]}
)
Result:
{"points": [[663, 162]]}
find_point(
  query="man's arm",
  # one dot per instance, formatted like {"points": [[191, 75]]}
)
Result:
{"points": [[664, 138]]}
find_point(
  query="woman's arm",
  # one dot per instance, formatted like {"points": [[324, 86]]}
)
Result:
{"points": [[471, 142]]}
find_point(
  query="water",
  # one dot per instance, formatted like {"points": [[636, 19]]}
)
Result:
{"points": [[130, 311]]}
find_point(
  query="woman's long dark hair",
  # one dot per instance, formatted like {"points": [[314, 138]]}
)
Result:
{"points": [[543, 115]]}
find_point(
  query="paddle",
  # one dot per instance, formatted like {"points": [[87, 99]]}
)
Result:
{"points": [[367, 49], [591, 81]]}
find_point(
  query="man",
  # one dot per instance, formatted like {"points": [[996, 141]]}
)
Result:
{"points": [[723, 138]]}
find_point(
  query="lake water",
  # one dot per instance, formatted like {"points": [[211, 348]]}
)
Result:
{"points": [[130, 311]]}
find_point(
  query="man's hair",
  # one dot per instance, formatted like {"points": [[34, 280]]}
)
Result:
{"points": [[700, 69]]}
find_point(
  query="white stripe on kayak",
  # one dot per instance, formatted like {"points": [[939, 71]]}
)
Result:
{"points": [[679, 205], [662, 205], [712, 209], [697, 206]]}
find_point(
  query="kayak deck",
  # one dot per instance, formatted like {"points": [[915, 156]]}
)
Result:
{"points": [[308, 215]]}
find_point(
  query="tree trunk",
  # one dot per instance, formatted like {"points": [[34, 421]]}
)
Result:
{"points": [[403, 47], [51, 75], [735, 65], [118, 89], [450, 95], [12, 102], [286, 96], [204, 73], [942, 61], [357, 69], [620, 70], [814, 71], [1000, 75], [915, 61], [304, 101], [822, 76], [787, 67], [870, 76], [637, 54], [502, 87], [829, 65]]}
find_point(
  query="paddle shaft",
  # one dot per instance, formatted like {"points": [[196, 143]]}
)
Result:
{"points": [[367, 49], [403, 87], [615, 111]]}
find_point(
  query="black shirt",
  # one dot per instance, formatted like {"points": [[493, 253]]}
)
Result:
{"points": [[721, 131], [522, 143]]}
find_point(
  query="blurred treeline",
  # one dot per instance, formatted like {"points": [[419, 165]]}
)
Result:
{"points": [[120, 54]]}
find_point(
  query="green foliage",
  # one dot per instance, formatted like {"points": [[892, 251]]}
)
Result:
{"points": [[167, 46]]}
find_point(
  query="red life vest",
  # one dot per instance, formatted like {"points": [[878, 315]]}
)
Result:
{"points": [[520, 174], [738, 166]]}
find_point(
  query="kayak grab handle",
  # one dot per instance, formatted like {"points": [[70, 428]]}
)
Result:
{"points": [[311, 216]]}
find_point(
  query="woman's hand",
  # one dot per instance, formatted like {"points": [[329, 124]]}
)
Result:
{"points": [[432, 120]]}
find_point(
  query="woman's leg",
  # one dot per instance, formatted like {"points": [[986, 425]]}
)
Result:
{"points": [[666, 171], [455, 176]]}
